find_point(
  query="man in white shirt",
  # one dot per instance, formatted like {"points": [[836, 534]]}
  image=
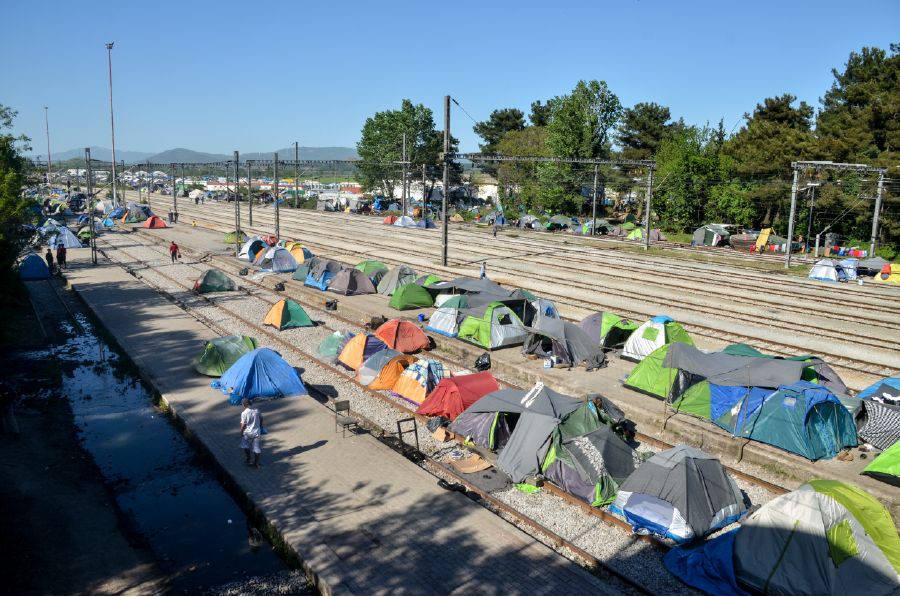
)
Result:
{"points": [[251, 426]]}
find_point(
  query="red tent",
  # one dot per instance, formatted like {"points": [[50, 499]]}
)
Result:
{"points": [[402, 335], [155, 222], [270, 240], [453, 395], [390, 220]]}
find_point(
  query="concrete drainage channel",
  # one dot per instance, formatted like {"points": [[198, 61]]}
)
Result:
{"points": [[172, 498]]}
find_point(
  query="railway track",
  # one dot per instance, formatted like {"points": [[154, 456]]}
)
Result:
{"points": [[856, 367], [404, 412]]}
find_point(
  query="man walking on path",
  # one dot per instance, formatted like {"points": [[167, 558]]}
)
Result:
{"points": [[251, 427], [495, 233], [483, 271], [49, 258], [7, 399], [170, 216], [173, 251], [61, 257]]}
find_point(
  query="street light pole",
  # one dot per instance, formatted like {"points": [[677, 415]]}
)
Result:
{"points": [[112, 127], [49, 161], [275, 199], [238, 233], [90, 194], [250, 191], [446, 180]]}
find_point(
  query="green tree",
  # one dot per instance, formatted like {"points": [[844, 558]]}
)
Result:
{"points": [[540, 115], [579, 127], [643, 128], [14, 211], [516, 180], [500, 123]]}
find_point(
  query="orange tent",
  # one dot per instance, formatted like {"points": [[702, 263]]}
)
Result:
{"points": [[389, 220], [453, 395], [402, 335], [359, 349], [419, 380], [382, 370], [155, 222], [297, 252]]}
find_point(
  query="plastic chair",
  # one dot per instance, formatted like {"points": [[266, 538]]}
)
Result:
{"points": [[346, 421]]}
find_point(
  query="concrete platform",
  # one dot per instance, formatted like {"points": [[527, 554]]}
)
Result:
{"points": [[363, 519], [648, 414]]}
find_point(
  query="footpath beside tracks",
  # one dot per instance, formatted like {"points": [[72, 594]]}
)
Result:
{"points": [[870, 371]]}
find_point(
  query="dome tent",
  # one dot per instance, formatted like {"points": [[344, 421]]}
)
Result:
{"points": [[651, 335], [251, 248], [155, 222], [212, 280], [351, 282], [221, 353], [277, 259], [397, 277], [402, 335], [453, 395], [390, 220], [34, 268], [232, 237], [608, 330], [890, 274], [418, 381], [824, 538], [359, 349], [382, 370], [367, 267], [829, 270], [332, 345], [426, 223], [260, 375], [321, 272], [682, 493], [405, 222], [64, 238], [410, 296], [287, 314]]}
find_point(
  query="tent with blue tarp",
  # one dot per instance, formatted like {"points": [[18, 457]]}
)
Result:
{"points": [[321, 272], [260, 374], [425, 223], [501, 221], [707, 566], [116, 213], [108, 223], [34, 268]]}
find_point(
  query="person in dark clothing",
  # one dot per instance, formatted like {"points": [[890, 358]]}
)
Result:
{"points": [[8, 397], [49, 258], [170, 216], [61, 257], [173, 251], [495, 232]]}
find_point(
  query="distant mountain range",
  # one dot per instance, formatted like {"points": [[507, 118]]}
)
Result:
{"points": [[179, 155]]}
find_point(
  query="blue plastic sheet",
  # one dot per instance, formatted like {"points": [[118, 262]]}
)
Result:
{"points": [[709, 567]]}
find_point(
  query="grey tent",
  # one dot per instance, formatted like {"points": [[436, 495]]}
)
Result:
{"points": [[682, 493], [528, 220], [351, 281], [566, 341], [371, 367], [472, 285], [318, 267], [607, 329], [324, 205], [377, 276], [397, 277], [540, 410], [618, 231], [873, 265], [706, 236]]}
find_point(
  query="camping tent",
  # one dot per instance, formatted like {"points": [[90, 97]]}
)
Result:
{"points": [[333, 344], [561, 339], [116, 213], [711, 235], [221, 353], [886, 467], [682, 493], [402, 335], [817, 370], [33, 268], [231, 237], [155, 222], [350, 282], [445, 321], [606, 329], [277, 259], [287, 314], [260, 375], [543, 310], [878, 417], [359, 349], [617, 231], [134, 213], [382, 370], [64, 238], [427, 280], [108, 223], [492, 325], [212, 280], [501, 221], [453, 395], [889, 274], [397, 277], [523, 448], [850, 266], [300, 253], [410, 296], [655, 235], [367, 267], [872, 266], [250, 248], [426, 223], [560, 221], [419, 379], [651, 335], [321, 272], [828, 269], [389, 220], [405, 221], [528, 221]]}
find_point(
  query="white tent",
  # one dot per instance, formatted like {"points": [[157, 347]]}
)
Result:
{"points": [[656, 332], [445, 322], [405, 221], [196, 194], [828, 269], [245, 249], [64, 238]]}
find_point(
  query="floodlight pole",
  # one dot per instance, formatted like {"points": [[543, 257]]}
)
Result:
{"points": [[250, 191], [49, 161], [874, 218], [90, 188], [790, 238], [237, 209], [446, 180], [275, 198], [594, 208], [647, 208], [112, 127], [297, 173]]}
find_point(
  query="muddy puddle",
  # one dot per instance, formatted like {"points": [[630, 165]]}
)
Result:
{"points": [[172, 501]]}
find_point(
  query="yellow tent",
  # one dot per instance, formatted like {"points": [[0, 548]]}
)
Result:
{"points": [[457, 218], [763, 239], [889, 275]]}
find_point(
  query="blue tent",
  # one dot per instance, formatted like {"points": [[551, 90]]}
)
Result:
{"points": [[501, 221], [147, 211], [426, 223], [378, 205], [118, 212], [82, 218], [261, 373], [33, 268], [322, 283], [108, 223], [891, 382]]}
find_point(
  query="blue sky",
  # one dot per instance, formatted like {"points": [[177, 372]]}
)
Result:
{"points": [[224, 76]]}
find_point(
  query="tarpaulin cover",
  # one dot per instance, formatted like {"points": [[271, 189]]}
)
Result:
{"points": [[727, 370], [260, 374], [453, 395], [708, 567]]}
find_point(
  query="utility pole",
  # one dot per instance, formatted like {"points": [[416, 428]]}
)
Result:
{"points": [[112, 127], [446, 180], [594, 208], [874, 218], [812, 201], [49, 161], [790, 238], [90, 194], [423, 188], [148, 189], [174, 192], [275, 198], [647, 208], [250, 191], [403, 193], [296, 173], [237, 208]]}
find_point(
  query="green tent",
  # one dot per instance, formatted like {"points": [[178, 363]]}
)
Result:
{"points": [[230, 238], [130, 219], [630, 219], [301, 273], [212, 280], [457, 301], [886, 467], [426, 280], [367, 267], [607, 330], [332, 345], [637, 234], [527, 294], [85, 232], [628, 226], [492, 326], [219, 354], [287, 314], [410, 296]]}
